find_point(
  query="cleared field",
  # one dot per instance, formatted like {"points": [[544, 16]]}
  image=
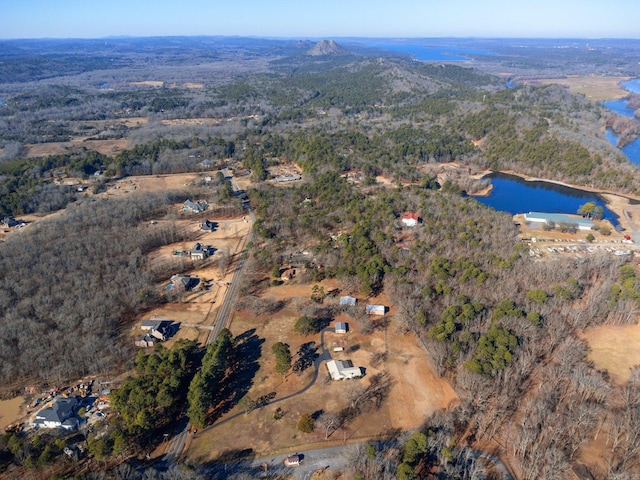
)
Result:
{"points": [[199, 308], [106, 147], [597, 89], [615, 349], [416, 390]]}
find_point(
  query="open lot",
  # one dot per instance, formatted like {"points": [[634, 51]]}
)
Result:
{"points": [[614, 349], [199, 306], [416, 390], [595, 88]]}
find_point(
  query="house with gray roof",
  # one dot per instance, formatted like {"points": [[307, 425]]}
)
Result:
{"points": [[58, 415], [195, 207], [200, 252]]}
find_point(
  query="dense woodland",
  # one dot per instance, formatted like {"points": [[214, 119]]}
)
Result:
{"points": [[500, 326]]}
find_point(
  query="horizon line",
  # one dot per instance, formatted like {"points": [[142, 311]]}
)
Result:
{"points": [[321, 37]]}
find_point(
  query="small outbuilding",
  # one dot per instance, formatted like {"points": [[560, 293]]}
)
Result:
{"points": [[375, 309], [348, 301], [292, 461], [341, 327]]}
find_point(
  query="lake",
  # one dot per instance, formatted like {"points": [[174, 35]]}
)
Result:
{"points": [[620, 107], [515, 195], [632, 85], [430, 53]]}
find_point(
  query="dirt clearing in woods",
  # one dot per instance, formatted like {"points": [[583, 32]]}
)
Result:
{"points": [[199, 307], [416, 391]]}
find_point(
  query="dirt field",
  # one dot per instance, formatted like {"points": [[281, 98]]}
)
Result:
{"points": [[615, 349], [416, 392], [595, 88], [200, 307], [106, 147], [9, 411]]}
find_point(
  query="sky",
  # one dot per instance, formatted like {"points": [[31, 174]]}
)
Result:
{"points": [[321, 18]]}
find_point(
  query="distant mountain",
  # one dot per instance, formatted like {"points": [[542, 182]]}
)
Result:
{"points": [[327, 47]]}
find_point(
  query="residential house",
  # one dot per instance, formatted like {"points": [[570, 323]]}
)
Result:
{"points": [[375, 309], [195, 207], [200, 252], [150, 324], [343, 369], [348, 301], [184, 282], [144, 342], [209, 226], [410, 219], [58, 415], [341, 327]]}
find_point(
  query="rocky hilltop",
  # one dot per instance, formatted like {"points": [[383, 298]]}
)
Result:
{"points": [[327, 47]]}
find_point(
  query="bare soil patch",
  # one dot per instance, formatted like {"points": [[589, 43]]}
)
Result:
{"points": [[106, 147], [10, 411], [614, 349], [595, 88], [152, 183]]}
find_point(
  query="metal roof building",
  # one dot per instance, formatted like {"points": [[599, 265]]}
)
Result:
{"points": [[558, 218]]}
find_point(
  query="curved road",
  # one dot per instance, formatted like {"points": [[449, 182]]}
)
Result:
{"points": [[325, 355]]}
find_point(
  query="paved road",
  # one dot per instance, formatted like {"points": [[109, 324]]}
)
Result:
{"points": [[182, 430]]}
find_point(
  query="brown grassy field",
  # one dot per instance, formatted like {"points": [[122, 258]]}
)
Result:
{"points": [[595, 88], [614, 349]]}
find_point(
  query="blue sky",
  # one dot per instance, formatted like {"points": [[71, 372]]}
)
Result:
{"points": [[321, 18]]}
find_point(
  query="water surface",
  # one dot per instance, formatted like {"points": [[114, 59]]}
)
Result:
{"points": [[430, 53], [515, 195]]}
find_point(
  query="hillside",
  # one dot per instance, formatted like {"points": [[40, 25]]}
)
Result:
{"points": [[327, 48]]}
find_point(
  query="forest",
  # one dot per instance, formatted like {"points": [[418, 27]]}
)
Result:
{"points": [[503, 329]]}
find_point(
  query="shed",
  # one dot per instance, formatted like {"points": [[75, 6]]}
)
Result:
{"points": [[341, 327], [348, 301], [375, 309], [292, 461]]}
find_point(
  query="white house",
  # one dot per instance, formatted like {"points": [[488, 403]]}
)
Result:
{"points": [[58, 415], [410, 219], [343, 369]]}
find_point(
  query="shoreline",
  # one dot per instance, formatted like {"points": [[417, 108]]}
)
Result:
{"points": [[616, 202]]}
